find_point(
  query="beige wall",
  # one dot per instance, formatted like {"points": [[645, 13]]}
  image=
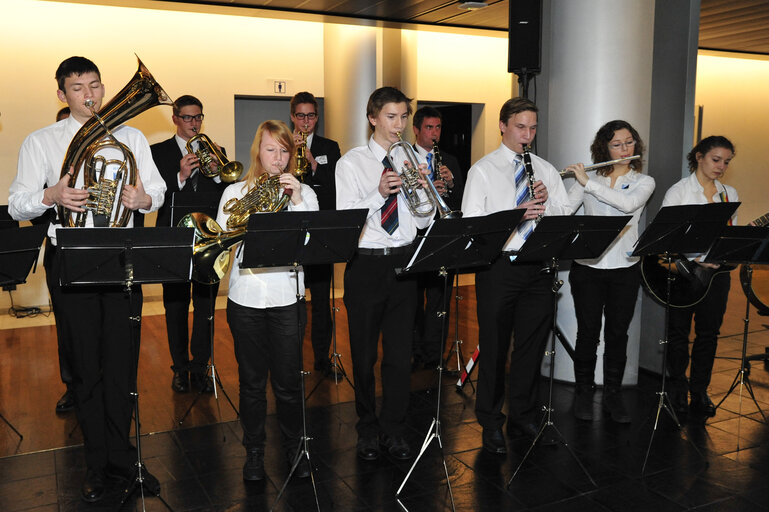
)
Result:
{"points": [[214, 55], [734, 91]]}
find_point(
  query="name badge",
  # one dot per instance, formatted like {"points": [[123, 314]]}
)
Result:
{"points": [[322, 159]]}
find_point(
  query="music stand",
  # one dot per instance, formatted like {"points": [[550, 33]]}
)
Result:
{"points": [[207, 203], [559, 238], [19, 250], [127, 256], [294, 239], [455, 244], [679, 230], [746, 245]]}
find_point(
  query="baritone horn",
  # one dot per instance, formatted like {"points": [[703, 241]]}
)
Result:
{"points": [[565, 173], [213, 161], [105, 178], [408, 171]]}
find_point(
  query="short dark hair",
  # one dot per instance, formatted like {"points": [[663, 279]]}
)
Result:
{"points": [[303, 97], [516, 106], [599, 149], [63, 113], [74, 66], [185, 101], [382, 97], [705, 145], [423, 113]]}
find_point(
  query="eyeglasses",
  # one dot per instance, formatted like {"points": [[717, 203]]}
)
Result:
{"points": [[188, 119], [302, 115], [618, 145]]}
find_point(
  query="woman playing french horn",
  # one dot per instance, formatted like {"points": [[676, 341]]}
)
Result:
{"points": [[261, 312]]}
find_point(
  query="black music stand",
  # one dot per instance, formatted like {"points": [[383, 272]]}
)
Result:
{"points": [[455, 244], [559, 238], [294, 239], [746, 245], [679, 230], [127, 256], [208, 203], [19, 250]]}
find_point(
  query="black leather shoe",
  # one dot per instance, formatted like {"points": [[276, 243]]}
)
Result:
{"points": [[494, 441], [92, 489], [613, 405], [180, 382], [202, 383], [303, 467], [531, 430], [125, 477], [66, 403], [701, 404], [397, 447], [253, 469], [367, 448], [677, 395], [583, 402]]}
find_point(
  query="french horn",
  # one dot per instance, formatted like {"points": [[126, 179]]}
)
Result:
{"points": [[141, 93]]}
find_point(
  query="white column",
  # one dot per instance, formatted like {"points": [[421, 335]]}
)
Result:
{"points": [[599, 64]]}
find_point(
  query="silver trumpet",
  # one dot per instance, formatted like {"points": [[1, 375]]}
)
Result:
{"points": [[565, 173], [408, 171]]}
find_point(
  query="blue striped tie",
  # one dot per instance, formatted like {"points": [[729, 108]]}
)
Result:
{"points": [[522, 195]]}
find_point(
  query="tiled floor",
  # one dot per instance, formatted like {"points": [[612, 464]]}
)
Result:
{"points": [[696, 468]]}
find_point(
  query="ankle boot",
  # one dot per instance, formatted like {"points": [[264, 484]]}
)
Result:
{"points": [[612, 403], [583, 395]]}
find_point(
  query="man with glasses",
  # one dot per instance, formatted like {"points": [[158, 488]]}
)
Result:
{"points": [[322, 155], [184, 182]]}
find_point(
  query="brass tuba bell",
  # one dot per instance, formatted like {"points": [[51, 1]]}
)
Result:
{"points": [[141, 93], [229, 171]]}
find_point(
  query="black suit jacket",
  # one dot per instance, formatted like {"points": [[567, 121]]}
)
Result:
{"points": [[323, 182], [454, 199], [167, 157]]}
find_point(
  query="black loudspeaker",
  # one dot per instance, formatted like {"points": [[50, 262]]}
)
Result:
{"points": [[525, 37]]}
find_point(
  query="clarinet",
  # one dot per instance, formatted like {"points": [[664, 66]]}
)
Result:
{"points": [[529, 174], [438, 163]]}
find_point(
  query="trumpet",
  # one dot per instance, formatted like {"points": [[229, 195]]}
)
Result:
{"points": [[409, 174], [302, 164], [228, 170], [565, 173]]}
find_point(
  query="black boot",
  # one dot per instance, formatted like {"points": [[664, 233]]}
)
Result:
{"points": [[678, 392], [612, 402], [583, 395]]}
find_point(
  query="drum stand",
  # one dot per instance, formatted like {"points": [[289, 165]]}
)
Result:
{"points": [[211, 369]]}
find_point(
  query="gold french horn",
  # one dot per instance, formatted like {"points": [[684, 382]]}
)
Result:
{"points": [[141, 93]]}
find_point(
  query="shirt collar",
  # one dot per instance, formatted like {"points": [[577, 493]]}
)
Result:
{"points": [[181, 143], [378, 151], [510, 155]]}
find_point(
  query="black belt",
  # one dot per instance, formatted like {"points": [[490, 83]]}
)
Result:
{"points": [[385, 251], [510, 253]]}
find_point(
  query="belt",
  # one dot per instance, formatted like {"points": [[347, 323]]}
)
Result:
{"points": [[385, 251], [510, 253]]}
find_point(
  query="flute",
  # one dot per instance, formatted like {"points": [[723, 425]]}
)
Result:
{"points": [[567, 173]]}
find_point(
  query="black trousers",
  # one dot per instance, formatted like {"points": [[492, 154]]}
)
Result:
{"points": [[317, 278], [52, 282], [599, 294], [512, 299], [431, 329], [267, 344], [378, 301], [103, 346], [176, 300], [708, 315]]}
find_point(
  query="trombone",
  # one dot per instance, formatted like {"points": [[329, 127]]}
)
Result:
{"points": [[565, 173]]}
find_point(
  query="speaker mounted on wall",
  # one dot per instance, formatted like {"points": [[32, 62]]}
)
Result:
{"points": [[525, 37]]}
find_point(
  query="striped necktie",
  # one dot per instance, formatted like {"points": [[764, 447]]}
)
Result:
{"points": [[522, 195], [389, 211], [430, 166]]}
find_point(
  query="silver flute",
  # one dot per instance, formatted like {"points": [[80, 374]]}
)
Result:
{"points": [[565, 173]]}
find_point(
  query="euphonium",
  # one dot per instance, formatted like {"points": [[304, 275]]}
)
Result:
{"points": [[141, 93], [228, 170], [408, 171]]}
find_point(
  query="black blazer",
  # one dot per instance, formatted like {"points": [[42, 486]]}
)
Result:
{"points": [[454, 199], [167, 157], [323, 183]]}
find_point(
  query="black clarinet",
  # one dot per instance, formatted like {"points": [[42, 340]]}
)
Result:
{"points": [[529, 174]]}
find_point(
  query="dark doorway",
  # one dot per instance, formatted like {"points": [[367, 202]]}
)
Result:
{"points": [[456, 130]]}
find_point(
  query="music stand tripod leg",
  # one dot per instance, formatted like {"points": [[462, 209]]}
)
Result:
{"points": [[10, 425]]}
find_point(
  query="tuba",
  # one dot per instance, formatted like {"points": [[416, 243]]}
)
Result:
{"points": [[409, 174], [211, 249], [104, 195], [208, 154]]}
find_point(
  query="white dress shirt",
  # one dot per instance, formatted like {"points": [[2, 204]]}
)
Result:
{"points": [[358, 173], [628, 197], [490, 188], [266, 287], [40, 159]]}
